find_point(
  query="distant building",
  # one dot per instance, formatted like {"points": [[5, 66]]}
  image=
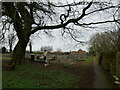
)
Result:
{"points": [[74, 52], [81, 51]]}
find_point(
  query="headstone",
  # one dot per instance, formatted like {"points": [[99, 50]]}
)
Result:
{"points": [[118, 65], [38, 57], [32, 57]]}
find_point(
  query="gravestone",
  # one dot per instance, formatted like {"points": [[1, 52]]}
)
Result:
{"points": [[118, 65], [38, 57], [32, 57]]}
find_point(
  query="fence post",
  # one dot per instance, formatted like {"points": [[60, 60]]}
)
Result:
{"points": [[100, 58], [118, 65]]}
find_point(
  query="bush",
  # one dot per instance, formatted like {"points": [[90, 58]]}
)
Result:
{"points": [[108, 59]]}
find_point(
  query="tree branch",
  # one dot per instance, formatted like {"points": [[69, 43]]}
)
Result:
{"points": [[101, 9], [102, 22], [64, 24], [72, 4], [73, 37]]}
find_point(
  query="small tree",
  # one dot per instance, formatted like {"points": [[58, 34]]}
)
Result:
{"points": [[30, 45], [46, 48], [4, 50], [11, 40]]}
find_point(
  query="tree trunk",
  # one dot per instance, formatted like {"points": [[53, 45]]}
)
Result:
{"points": [[30, 45], [18, 54], [10, 48], [119, 40]]}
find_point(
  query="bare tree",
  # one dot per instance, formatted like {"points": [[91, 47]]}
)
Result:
{"points": [[46, 48], [30, 45], [105, 42], [11, 40], [118, 23], [30, 17]]}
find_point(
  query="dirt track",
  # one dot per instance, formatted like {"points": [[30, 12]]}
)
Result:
{"points": [[83, 70]]}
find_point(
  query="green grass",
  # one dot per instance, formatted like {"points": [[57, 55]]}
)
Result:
{"points": [[89, 58], [6, 58], [32, 76]]}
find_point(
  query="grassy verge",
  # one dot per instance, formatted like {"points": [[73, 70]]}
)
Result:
{"points": [[36, 76], [6, 58], [89, 59]]}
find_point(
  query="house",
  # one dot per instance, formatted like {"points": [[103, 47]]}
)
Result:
{"points": [[81, 51]]}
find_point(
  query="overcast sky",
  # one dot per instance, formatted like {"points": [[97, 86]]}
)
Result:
{"points": [[64, 43]]}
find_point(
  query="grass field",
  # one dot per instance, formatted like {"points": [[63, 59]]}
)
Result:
{"points": [[34, 76], [56, 75]]}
